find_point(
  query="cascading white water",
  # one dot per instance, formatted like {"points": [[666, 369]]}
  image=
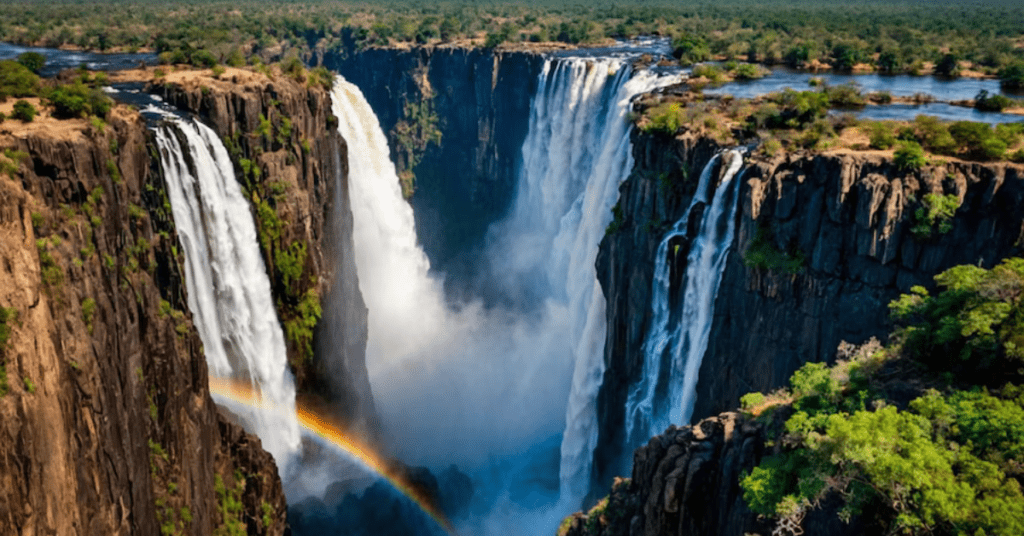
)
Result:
{"points": [[469, 384], [576, 154], [452, 385], [228, 288], [682, 339]]}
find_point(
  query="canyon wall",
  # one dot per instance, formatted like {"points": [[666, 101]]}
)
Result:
{"points": [[106, 420], [480, 100], [848, 215], [284, 142]]}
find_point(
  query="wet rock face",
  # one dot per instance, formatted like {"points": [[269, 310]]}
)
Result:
{"points": [[848, 215], [482, 101], [106, 421]]}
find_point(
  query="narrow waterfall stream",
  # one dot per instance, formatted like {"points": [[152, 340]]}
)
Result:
{"points": [[228, 288], [677, 339]]}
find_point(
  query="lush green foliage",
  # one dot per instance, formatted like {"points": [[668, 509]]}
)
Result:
{"points": [[16, 80], [992, 102], [790, 109], [763, 254], [24, 111], [32, 61], [895, 37], [946, 463], [7, 317], [909, 156], [79, 99], [1012, 76], [230, 506], [935, 214], [975, 320]]}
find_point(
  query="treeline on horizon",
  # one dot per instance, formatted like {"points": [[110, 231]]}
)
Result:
{"points": [[895, 37]]}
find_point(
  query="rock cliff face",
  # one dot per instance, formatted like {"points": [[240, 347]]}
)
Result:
{"points": [[849, 215], [686, 482], [481, 99], [106, 421], [284, 142]]}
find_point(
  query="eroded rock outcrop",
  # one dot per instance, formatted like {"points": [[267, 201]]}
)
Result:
{"points": [[106, 422], [847, 215]]}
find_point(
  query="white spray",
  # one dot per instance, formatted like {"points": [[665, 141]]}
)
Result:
{"points": [[470, 385], [228, 288]]}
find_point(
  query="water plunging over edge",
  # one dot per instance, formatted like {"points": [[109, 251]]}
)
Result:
{"points": [[658, 400], [228, 287]]}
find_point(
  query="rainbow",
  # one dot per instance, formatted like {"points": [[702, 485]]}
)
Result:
{"points": [[318, 426]]}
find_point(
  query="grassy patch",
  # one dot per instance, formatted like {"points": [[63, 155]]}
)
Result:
{"points": [[763, 254]]}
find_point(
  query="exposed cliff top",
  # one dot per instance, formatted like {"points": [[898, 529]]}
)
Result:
{"points": [[796, 121]]}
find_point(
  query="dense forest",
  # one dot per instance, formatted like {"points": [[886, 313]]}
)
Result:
{"points": [[913, 37]]}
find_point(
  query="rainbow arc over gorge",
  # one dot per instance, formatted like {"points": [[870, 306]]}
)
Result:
{"points": [[241, 393]]}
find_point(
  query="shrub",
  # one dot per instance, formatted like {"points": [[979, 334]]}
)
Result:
{"points": [[845, 96], [880, 135], [665, 118], [935, 214], [909, 156], [78, 100], [712, 73], [763, 254], [202, 58], [690, 49], [934, 135], [24, 111], [7, 317], [17, 81], [949, 66], [748, 71], [32, 61], [991, 103]]}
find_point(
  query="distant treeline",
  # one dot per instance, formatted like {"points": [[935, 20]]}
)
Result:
{"points": [[894, 37]]}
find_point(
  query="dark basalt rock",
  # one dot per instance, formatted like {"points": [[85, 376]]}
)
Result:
{"points": [[849, 214]]}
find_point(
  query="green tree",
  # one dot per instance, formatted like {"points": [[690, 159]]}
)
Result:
{"points": [[32, 61], [1012, 76], [909, 156], [24, 111]]}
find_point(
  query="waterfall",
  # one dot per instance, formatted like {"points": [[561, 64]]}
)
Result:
{"points": [[681, 338], [469, 384], [228, 288], [577, 152]]}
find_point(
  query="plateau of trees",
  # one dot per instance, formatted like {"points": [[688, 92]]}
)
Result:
{"points": [[890, 37]]}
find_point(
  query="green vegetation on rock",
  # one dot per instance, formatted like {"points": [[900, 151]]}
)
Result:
{"points": [[944, 461], [763, 254], [935, 215]]}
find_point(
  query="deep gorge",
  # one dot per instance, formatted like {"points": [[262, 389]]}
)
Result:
{"points": [[456, 121]]}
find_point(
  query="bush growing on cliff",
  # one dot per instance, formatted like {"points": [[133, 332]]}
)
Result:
{"points": [[24, 111], [909, 156], [79, 100], [17, 81], [763, 254], [665, 118], [935, 215]]}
